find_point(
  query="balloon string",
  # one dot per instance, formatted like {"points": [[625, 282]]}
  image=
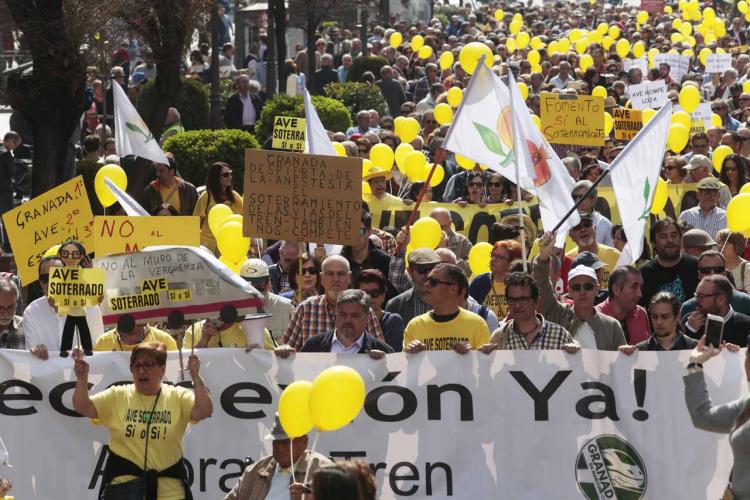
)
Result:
{"points": [[291, 458], [312, 448]]}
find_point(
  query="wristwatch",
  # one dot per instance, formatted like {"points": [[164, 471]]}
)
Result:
{"points": [[694, 367]]}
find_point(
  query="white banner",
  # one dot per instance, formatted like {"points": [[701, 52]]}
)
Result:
{"points": [[648, 94], [509, 425], [678, 65]]}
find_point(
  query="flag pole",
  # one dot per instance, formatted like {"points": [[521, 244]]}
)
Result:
{"points": [[518, 174]]}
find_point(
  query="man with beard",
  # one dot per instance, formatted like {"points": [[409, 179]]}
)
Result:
{"points": [[665, 319], [11, 325], [672, 270], [713, 296], [625, 285]]}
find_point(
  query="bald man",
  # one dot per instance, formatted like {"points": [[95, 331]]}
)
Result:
{"points": [[457, 242]]}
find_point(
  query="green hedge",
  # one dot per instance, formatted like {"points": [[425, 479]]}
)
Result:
{"points": [[333, 114], [357, 96], [226, 89], [369, 63], [191, 101], [195, 150]]}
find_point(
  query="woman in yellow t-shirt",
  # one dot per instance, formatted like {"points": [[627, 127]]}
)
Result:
{"points": [[218, 190], [147, 422], [489, 288]]}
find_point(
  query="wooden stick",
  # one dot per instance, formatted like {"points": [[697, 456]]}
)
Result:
{"points": [[192, 344]]}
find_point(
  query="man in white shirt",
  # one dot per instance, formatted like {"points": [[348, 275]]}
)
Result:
{"points": [[43, 326], [563, 78]]}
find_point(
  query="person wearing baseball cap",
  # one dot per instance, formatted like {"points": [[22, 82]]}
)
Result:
{"points": [[256, 272], [700, 168], [271, 476], [409, 303], [707, 216], [588, 327]]}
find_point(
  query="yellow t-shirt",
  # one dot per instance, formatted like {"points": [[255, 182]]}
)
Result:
{"points": [[168, 196], [495, 299], [203, 207], [108, 341], [607, 255], [231, 337], [441, 335], [125, 413]]}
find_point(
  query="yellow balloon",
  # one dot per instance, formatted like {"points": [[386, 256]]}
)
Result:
{"points": [[396, 39], [499, 14], [413, 164], [574, 35], [537, 121], [437, 176], [397, 124], [622, 47], [339, 147], [676, 23], [294, 409], [676, 37], [599, 91], [117, 176], [479, 258], [687, 53], [709, 14], [668, 9], [651, 53], [446, 60], [455, 95], [720, 50], [642, 17], [533, 57], [715, 120], [689, 98], [581, 45], [52, 251], [744, 189], [510, 44], [231, 218], [602, 28], [585, 62], [564, 45], [747, 16], [382, 156], [609, 123], [661, 194], [515, 27], [553, 47], [409, 129], [231, 243], [638, 49], [719, 155], [425, 52], [536, 43], [524, 90], [471, 54], [443, 113], [420, 174], [366, 188], [746, 86], [425, 233], [337, 396], [523, 40], [536, 68], [402, 151], [737, 210], [647, 114], [216, 217], [681, 117], [742, 6], [366, 166], [678, 137], [703, 54], [686, 29], [417, 43], [464, 162], [233, 265], [614, 32], [607, 42]]}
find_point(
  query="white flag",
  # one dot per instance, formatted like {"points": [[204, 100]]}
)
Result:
{"points": [[316, 137], [131, 207], [481, 131], [132, 136], [635, 173]]}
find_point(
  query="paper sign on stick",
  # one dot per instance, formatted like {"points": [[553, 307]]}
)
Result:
{"points": [[76, 286], [119, 234], [718, 63], [578, 120], [60, 214], [648, 94], [289, 133], [628, 122], [292, 196]]}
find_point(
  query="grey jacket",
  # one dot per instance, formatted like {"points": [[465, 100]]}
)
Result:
{"points": [[607, 331], [721, 418]]}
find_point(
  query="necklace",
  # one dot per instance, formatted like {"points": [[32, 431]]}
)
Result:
{"points": [[526, 334]]}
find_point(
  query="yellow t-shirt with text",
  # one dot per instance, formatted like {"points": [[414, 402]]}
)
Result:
{"points": [[231, 337], [108, 341], [125, 413], [441, 335], [495, 300]]}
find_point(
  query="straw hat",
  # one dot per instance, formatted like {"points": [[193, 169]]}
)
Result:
{"points": [[376, 172]]}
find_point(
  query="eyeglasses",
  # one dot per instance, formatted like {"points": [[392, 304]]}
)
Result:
{"points": [[581, 286], [145, 366], [577, 197], [584, 224], [309, 270], [701, 296], [476, 184], [423, 269], [433, 281], [70, 255], [226, 174], [44, 278], [495, 184], [517, 300], [712, 270], [374, 293], [8, 309]]}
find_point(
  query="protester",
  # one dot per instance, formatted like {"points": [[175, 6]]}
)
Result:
{"points": [[456, 242], [129, 334], [489, 288], [171, 407], [308, 285], [11, 325], [697, 241], [279, 271], [365, 255], [625, 285], [584, 236], [602, 225], [244, 107], [169, 188], [732, 244], [713, 296], [338, 482], [411, 303], [707, 216], [668, 333], [218, 191], [256, 272], [372, 282], [713, 262]]}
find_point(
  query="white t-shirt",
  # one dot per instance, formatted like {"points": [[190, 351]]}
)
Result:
{"points": [[42, 325], [585, 336]]}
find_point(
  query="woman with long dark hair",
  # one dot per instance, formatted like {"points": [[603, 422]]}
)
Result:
{"points": [[473, 193], [734, 173], [310, 283], [218, 190]]}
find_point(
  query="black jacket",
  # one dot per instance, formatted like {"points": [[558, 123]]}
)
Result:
{"points": [[323, 77], [233, 111], [737, 328], [323, 342]]}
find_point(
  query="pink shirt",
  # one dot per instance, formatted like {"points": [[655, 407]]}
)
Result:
{"points": [[636, 325]]}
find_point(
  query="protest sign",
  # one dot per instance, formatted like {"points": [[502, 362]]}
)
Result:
{"points": [[700, 119], [628, 122], [718, 63], [76, 286], [572, 119], [302, 197], [678, 65], [115, 234], [640, 63], [653, 6], [289, 133], [151, 284], [511, 425], [60, 214], [648, 94]]}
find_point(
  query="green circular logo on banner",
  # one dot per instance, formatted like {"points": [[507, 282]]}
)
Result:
{"points": [[608, 467]]}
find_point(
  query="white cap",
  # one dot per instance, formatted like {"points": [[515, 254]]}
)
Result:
{"points": [[582, 271]]}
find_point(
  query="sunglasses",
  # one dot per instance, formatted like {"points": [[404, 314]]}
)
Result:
{"points": [[226, 174], [374, 293], [476, 184], [584, 224], [423, 269], [712, 270], [44, 278], [495, 184], [718, 109], [433, 281], [581, 286], [309, 270]]}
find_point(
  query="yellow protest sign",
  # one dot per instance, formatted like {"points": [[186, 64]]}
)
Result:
{"points": [[75, 286], [572, 119], [120, 234], [628, 122], [289, 133], [60, 214]]}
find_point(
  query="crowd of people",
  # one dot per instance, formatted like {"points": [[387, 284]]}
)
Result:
{"points": [[373, 297]]}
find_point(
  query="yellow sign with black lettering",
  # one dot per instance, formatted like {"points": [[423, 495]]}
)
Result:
{"points": [[572, 119], [289, 133], [75, 286], [628, 122]]}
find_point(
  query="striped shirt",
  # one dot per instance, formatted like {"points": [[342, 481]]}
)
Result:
{"points": [[550, 336], [711, 222], [315, 316]]}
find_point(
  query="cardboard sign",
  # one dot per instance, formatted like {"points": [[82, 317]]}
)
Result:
{"points": [[577, 120], [292, 196], [60, 214], [289, 133], [76, 286], [132, 234], [640, 63], [718, 63], [678, 65], [648, 94], [628, 122]]}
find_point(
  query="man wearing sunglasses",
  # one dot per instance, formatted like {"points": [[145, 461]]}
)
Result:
{"points": [[584, 236], [588, 327], [447, 326], [43, 326], [713, 296], [602, 225], [712, 262], [411, 302]]}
